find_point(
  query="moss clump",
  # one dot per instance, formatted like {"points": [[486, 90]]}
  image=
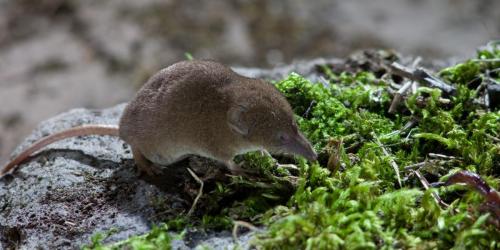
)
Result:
{"points": [[361, 206], [157, 238], [474, 69], [462, 73]]}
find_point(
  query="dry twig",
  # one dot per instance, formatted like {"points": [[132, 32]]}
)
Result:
{"points": [[447, 157], [408, 125], [398, 96], [239, 223], [391, 161], [422, 76], [426, 185], [416, 165], [309, 108], [288, 166], [495, 139], [492, 60], [200, 192]]}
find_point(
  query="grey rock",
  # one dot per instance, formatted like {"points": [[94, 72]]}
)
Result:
{"points": [[308, 69]]}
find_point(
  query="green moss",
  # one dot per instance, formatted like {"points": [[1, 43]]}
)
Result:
{"points": [[216, 222], [462, 73], [157, 238], [474, 69], [360, 204], [361, 207]]}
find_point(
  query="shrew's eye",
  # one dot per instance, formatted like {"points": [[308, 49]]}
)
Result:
{"points": [[283, 138]]}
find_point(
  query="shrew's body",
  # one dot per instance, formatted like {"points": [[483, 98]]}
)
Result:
{"points": [[202, 108]]}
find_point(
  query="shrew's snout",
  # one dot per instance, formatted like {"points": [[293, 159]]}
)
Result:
{"points": [[301, 146]]}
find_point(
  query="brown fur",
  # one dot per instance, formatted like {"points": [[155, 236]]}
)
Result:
{"points": [[183, 109]]}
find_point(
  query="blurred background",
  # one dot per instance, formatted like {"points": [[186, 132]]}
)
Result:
{"points": [[61, 54]]}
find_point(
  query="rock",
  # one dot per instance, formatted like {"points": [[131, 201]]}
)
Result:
{"points": [[308, 69], [80, 186], [61, 197]]}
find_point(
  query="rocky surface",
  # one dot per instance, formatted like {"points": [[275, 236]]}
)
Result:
{"points": [[80, 186]]}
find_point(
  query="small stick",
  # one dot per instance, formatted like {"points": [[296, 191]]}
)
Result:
{"points": [[407, 126], [395, 85], [493, 60], [414, 84], [423, 77], [434, 155], [416, 62], [240, 223], [200, 192], [416, 165], [309, 108], [495, 139], [405, 88], [288, 166], [264, 152], [324, 81], [402, 71], [391, 161], [494, 70], [410, 124], [414, 87], [399, 96], [426, 185]]}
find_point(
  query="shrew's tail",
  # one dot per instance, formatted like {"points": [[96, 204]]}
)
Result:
{"points": [[72, 132]]}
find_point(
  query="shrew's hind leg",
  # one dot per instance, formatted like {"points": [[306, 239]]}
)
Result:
{"points": [[144, 165]]}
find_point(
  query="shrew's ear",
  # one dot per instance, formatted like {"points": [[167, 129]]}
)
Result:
{"points": [[235, 119]]}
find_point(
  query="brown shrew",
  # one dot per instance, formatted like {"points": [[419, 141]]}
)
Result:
{"points": [[200, 108]]}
